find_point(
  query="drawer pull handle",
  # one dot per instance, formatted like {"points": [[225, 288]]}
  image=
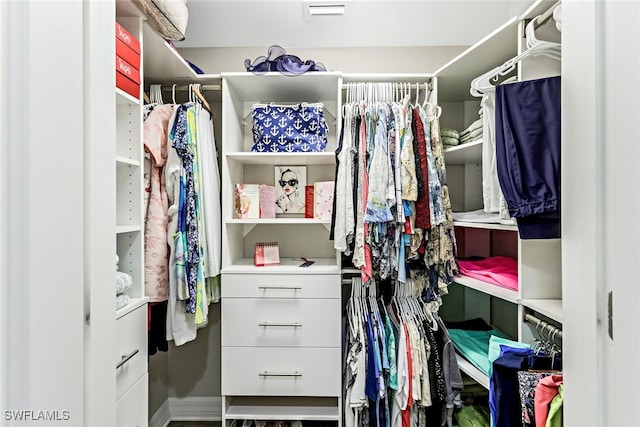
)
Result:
{"points": [[292, 288], [292, 325], [126, 358], [279, 374]]}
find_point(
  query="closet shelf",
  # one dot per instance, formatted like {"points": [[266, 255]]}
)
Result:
{"points": [[133, 304], [122, 229], [283, 221], [475, 373], [551, 308], [123, 97], [495, 48], [469, 153], [294, 159], [124, 161], [162, 62], [287, 266], [488, 288], [485, 225], [271, 87], [386, 77]]}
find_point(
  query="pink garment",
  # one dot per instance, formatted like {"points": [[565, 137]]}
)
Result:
{"points": [[156, 248], [367, 268], [499, 270], [546, 390]]}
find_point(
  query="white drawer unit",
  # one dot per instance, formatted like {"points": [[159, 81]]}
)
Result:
{"points": [[255, 322], [280, 324], [130, 357], [131, 408], [281, 286], [284, 371]]}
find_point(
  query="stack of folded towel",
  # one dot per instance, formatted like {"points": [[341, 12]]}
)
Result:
{"points": [[472, 133], [124, 282], [449, 137]]}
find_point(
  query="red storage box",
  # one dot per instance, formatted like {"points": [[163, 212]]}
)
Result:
{"points": [[127, 38], [127, 54], [127, 47], [127, 85], [127, 69]]}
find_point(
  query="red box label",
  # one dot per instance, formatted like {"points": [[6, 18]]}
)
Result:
{"points": [[127, 54], [127, 69], [127, 38]]}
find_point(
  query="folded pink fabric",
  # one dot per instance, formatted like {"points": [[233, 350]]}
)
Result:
{"points": [[499, 270]]}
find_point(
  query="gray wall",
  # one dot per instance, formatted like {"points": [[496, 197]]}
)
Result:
{"points": [[193, 370], [348, 60]]}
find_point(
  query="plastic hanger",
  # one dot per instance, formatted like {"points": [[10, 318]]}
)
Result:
{"points": [[173, 93], [486, 82]]}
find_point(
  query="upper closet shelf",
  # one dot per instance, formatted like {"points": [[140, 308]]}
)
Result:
{"points": [[454, 78], [386, 77], [276, 87]]}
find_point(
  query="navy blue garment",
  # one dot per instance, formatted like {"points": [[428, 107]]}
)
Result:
{"points": [[528, 154], [504, 376]]}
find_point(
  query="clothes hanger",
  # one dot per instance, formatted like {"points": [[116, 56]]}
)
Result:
{"points": [[195, 88], [173, 93], [486, 82]]}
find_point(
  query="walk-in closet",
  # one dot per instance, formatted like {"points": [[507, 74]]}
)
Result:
{"points": [[319, 213]]}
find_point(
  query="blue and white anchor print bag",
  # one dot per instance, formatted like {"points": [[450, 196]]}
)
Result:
{"points": [[289, 128]]}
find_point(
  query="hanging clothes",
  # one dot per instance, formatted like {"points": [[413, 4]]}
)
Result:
{"points": [[182, 223], [156, 251], [528, 154]]}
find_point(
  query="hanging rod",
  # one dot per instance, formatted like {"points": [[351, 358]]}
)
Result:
{"points": [[551, 330], [345, 85], [169, 88], [542, 19]]}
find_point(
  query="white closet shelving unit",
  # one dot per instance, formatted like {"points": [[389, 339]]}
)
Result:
{"points": [[539, 261], [130, 356], [281, 339]]}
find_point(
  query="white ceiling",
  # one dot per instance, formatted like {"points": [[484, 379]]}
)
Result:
{"points": [[366, 23]]}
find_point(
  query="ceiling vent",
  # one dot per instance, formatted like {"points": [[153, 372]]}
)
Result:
{"points": [[316, 8]]}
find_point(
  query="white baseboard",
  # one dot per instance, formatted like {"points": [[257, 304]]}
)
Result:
{"points": [[195, 408], [162, 417]]}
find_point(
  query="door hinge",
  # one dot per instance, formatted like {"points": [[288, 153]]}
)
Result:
{"points": [[610, 314]]}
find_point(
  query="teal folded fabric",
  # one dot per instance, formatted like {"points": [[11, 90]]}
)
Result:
{"points": [[474, 346]]}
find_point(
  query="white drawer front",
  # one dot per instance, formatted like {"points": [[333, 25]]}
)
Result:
{"points": [[280, 286], [132, 407], [281, 371], [131, 340], [254, 322]]}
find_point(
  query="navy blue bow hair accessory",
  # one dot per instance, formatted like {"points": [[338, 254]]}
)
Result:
{"points": [[278, 60]]}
